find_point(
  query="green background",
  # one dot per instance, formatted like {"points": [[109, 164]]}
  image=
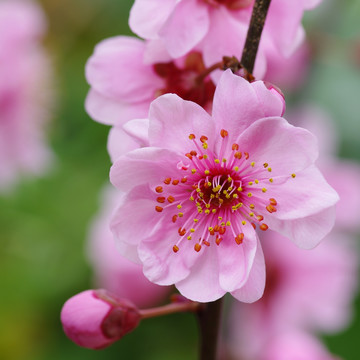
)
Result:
{"points": [[44, 222]]}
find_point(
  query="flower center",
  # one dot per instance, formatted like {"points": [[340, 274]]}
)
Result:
{"points": [[187, 82], [217, 192], [230, 4]]}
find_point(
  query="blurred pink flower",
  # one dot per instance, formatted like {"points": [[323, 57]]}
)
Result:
{"points": [[211, 179], [24, 92], [305, 290], [343, 174], [95, 319], [295, 346], [219, 27], [112, 271]]}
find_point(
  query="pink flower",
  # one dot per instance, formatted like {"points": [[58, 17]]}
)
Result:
{"points": [[96, 318], [307, 291], [295, 346], [219, 27], [196, 193], [24, 74], [123, 84], [114, 272]]}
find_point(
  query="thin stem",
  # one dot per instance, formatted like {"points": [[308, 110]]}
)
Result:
{"points": [[209, 325], [254, 34], [186, 306]]}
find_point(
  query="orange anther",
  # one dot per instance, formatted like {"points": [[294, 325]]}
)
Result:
{"points": [[159, 208], [167, 181], [175, 182], [188, 155], [193, 153], [184, 180], [197, 247], [253, 225], [222, 230], [218, 240], [159, 189], [246, 155], [235, 147], [174, 218], [203, 138], [170, 199], [175, 248], [238, 155], [273, 201], [260, 217], [160, 199], [191, 136], [271, 209], [182, 231], [265, 165], [224, 133], [216, 228], [239, 238], [263, 227], [212, 232], [206, 243]]}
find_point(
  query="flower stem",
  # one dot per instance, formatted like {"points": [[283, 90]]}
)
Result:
{"points": [[254, 34], [209, 325], [188, 306]]}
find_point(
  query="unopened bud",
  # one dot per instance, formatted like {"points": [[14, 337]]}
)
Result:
{"points": [[96, 318]]}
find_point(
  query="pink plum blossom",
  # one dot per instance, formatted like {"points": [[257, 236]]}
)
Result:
{"points": [[24, 89], [196, 193], [112, 271], [305, 290], [96, 318], [219, 27]]}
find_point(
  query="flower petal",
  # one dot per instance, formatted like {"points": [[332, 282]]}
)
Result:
{"points": [[161, 264], [112, 112], [116, 70], [236, 261], [286, 148], [146, 165], [203, 282], [173, 119], [255, 285], [147, 26], [186, 27]]}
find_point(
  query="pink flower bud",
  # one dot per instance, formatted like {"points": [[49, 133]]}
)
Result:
{"points": [[96, 318]]}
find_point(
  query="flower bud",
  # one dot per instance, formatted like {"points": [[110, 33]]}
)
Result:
{"points": [[96, 318]]}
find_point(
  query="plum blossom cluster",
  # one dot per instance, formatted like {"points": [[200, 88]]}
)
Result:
{"points": [[206, 168], [24, 92]]}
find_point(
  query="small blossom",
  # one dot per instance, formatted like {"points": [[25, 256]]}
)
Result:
{"points": [[95, 318], [113, 271], [24, 92], [197, 193]]}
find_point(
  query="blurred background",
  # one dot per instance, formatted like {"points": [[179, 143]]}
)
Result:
{"points": [[44, 222]]}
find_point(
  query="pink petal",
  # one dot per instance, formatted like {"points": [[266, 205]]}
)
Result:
{"points": [[186, 27], [236, 105], [137, 207], [120, 143], [139, 130], [173, 119], [145, 25], [235, 261], [116, 70], [255, 284], [203, 283], [147, 165], [113, 112], [286, 148], [162, 265]]}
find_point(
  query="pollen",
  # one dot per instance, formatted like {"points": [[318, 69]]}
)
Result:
{"points": [[263, 227], [217, 161], [167, 181], [236, 168], [224, 133], [203, 138], [159, 189], [206, 172], [179, 206], [175, 182], [191, 136], [265, 165], [271, 180], [269, 169], [235, 147], [252, 163], [197, 247], [161, 199], [159, 208], [293, 175], [175, 248], [264, 190], [193, 171], [249, 194], [239, 238]]}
